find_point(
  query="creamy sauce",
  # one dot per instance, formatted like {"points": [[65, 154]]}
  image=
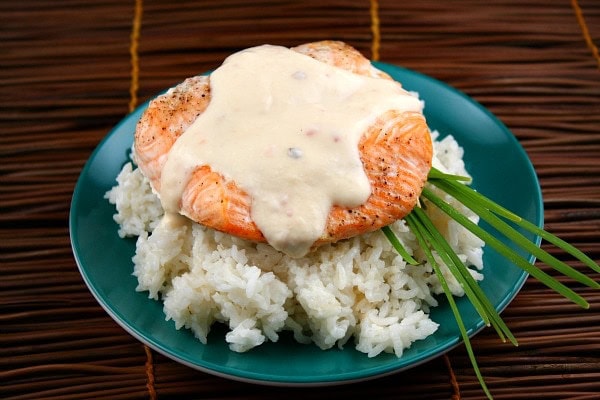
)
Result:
{"points": [[173, 220], [285, 128]]}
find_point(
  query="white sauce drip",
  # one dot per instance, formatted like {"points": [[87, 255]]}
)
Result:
{"points": [[285, 128]]}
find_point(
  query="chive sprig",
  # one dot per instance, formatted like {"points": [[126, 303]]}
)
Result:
{"points": [[432, 242]]}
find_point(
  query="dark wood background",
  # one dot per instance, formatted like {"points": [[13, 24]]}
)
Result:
{"points": [[65, 80]]}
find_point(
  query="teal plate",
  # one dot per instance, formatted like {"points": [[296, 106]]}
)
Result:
{"points": [[500, 168]]}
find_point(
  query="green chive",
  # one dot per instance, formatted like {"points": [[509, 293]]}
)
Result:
{"points": [[503, 212], [398, 246], [435, 173], [504, 250], [430, 240], [462, 274], [516, 237], [419, 232]]}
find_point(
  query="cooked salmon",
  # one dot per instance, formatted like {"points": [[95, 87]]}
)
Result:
{"points": [[395, 151]]}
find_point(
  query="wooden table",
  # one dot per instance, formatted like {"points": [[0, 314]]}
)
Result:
{"points": [[70, 70]]}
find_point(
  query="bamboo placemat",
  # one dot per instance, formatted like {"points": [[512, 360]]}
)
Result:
{"points": [[72, 69]]}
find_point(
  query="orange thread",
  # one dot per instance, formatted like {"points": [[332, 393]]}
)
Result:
{"points": [[133, 51], [585, 31], [453, 381], [375, 30], [150, 373], [133, 100]]}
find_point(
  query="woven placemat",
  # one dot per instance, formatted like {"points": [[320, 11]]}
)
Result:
{"points": [[70, 70]]}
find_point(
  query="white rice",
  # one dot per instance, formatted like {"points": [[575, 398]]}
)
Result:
{"points": [[357, 291]]}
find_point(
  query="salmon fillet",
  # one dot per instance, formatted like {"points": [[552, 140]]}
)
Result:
{"points": [[396, 153]]}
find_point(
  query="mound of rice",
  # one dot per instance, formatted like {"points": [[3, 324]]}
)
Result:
{"points": [[356, 291]]}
